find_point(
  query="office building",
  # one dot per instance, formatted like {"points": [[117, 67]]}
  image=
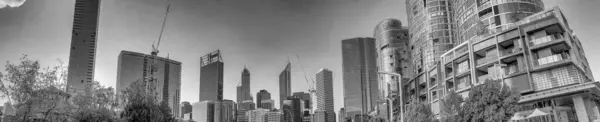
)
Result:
{"points": [[225, 111], [482, 17], [342, 115], [262, 95], [359, 75], [538, 56], [264, 115], [243, 91], [431, 32], [274, 116], [325, 93], [211, 77], [244, 106], [306, 101], [82, 56], [285, 82], [134, 66], [267, 104], [292, 109], [320, 116], [203, 111]]}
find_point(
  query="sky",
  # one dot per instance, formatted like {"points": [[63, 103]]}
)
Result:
{"points": [[262, 35]]}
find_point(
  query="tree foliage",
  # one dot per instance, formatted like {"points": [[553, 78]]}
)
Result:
{"points": [[418, 112], [95, 103], [490, 102], [142, 107], [451, 107], [34, 92]]}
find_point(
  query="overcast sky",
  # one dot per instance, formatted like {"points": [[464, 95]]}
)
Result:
{"points": [[260, 34]]}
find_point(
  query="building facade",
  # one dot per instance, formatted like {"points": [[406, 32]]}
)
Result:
{"points": [[359, 75], [211, 77], [538, 56], [325, 93], [243, 91], [244, 106], [262, 95], [306, 102], [431, 33], [203, 111], [134, 66], [342, 115], [285, 82], [225, 111], [267, 104], [82, 56], [292, 109]]}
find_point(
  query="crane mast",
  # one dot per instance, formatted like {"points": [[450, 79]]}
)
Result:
{"points": [[152, 80]]}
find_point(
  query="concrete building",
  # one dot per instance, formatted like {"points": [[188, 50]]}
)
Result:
{"points": [[243, 91], [325, 93], [203, 111], [285, 82], [267, 104], [539, 56], [481, 17], [359, 75], [225, 111], [134, 66], [82, 56], [211, 77], [431, 32], [262, 95]]}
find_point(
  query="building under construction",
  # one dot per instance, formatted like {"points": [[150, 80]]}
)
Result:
{"points": [[211, 77]]}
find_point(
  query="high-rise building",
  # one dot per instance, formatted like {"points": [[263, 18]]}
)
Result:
{"points": [[292, 109], [82, 56], [267, 104], [285, 82], [325, 93], [262, 95], [211, 77], [359, 75], [394, 54], [431, 33], [244, 106], [483, 17], [539, 56], [306, 102], [243, 92], [203, 111], [342, 115], [225, 111], [133, 66]]}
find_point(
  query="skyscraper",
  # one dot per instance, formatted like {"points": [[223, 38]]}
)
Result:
{"points": [[285, 82], [262, 95], [211, 77], [431, 33], [359, 75], [325, 93], [394, 53], [306, 102], [243, 91], [83, 44], [134, 66]]}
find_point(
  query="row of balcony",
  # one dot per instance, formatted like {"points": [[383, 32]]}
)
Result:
{"points": [[487, 59], [552, 59], [545, 39], [510, 51]]}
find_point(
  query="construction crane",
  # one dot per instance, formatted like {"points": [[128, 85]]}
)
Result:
{"points": [[150, 88], [310, 82]]}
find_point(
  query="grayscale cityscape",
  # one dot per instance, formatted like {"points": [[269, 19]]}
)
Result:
{"points": [[299, 61]]}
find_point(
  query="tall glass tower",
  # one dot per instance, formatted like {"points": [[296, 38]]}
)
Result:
{"points": [[359, 76], [211, 77], [83, 44]]}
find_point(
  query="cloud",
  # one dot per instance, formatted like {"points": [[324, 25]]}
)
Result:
{"points": [[11, 3]]}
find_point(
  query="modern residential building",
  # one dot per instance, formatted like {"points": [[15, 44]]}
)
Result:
{"points": [[325, 93], [211, 77], [267, 104], [262, 95], [134, 66], [203, 111], [225, 111], [539, 56], [285, 82], [359, 75], [480, 17], [431, 31], [243, 91], [82, 56]]}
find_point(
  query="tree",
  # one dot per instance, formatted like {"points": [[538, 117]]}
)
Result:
{"points": [[35, 93], [187, 108], [490, 102], [142, 107], [96, 103], [451, 107], [418, 112]]}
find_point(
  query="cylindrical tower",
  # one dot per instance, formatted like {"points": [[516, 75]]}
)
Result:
{"points": [[480, 17], [394, 53], [430, 28]]}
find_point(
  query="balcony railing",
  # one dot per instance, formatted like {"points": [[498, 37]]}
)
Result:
{"points": [[486, 59], [485, 5], [510, 51], [545, 39], [552, 58]]}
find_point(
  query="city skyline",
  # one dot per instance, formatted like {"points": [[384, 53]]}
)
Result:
{"points": [[106, 72]]}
